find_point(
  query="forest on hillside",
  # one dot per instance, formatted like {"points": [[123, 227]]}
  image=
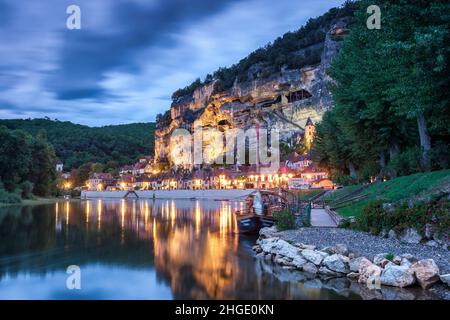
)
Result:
{"points": [[391, 95], [76, 144], [283, 52]]}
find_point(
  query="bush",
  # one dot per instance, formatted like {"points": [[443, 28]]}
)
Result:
{"points": [[27, 190], [372, 218], [284, 220], [407, 162], [9, 198], [375, 219]]}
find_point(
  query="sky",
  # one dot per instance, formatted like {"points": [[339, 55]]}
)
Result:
{"points": [[129, 56]]}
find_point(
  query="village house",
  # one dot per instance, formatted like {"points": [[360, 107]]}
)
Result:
{"points": [[100, 181], [298, 162], [59, 166]]}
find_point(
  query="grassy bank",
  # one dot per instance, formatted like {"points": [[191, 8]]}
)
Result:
{"points": [[32, 202], [350, 200]]}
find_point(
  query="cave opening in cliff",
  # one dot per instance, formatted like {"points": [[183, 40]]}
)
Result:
{"points": [[298, 95]]}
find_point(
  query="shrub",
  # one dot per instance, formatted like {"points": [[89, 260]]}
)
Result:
{"points": [[284, 220], [9, 198], [372, 218], [389, 256], [375, 219], [27, 189]]}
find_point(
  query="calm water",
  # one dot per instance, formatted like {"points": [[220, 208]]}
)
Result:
{"points": [[142, 250]]}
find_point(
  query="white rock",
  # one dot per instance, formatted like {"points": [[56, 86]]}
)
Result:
{"points": [[353, 275], [315, 257], [391, 234], [285, 249], [426, 272], [310, 268], [397, 276], [432, 243], [368, 270], [299, 262], [429, 231], [337, 263], [445, 278], [268, 244], [410, 235], [355, 263], [327, 272], [378, 258], [304, 246], [265, 233]]}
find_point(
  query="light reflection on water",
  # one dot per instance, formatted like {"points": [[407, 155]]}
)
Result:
{"points": [[141, 249]]}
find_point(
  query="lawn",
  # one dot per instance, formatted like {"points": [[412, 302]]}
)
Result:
{"points": [[395, 190], [306, 195]]}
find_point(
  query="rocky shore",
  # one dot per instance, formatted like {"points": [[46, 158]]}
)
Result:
{"points": [[373, 262]]}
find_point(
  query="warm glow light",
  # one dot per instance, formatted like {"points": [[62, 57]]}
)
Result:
{"points": [[123, 185]]}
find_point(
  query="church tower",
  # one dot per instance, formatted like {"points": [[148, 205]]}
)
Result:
{"points": [[310, 132]]}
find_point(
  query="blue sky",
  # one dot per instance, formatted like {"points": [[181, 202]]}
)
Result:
{"points": [[129, 56]]}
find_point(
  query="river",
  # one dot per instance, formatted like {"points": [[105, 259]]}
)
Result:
{"points": [[140, 249]]}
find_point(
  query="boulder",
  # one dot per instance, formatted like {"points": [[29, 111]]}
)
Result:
{"points": [[315, 257], [426, 272], [445, 278], [391, 234], [355, 263], [429, 231], [411, 258], [310, 268], [378, 258], [397, 276], [397, 260], [265, 233], [299, 262], [268, 244], [329, 273], [268, 257], [257, 248], [341, 249], [337, 263], [304, 246], [285, 249], [432, 243], [368, 271], [410, 235], [353, 276]]}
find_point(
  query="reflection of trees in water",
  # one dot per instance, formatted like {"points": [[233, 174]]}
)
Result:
{"points": [[41, 239]]}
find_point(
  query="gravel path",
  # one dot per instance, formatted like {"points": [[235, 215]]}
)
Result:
{"points": [[364, 244]]}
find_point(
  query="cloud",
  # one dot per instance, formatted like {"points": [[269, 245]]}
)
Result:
{"points": [[129, 56]]}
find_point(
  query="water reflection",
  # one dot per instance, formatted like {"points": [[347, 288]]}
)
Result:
{"points": [[141, 249]]}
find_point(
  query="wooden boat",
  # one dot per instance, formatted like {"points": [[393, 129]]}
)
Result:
{"points": [[250, 221]]}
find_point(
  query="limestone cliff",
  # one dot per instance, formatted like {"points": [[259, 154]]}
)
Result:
{"points": [[282, 100]]}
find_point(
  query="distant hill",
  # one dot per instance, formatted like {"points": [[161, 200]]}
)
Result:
{"points": [[77, 144]]}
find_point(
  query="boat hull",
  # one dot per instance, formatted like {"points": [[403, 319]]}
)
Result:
{"points": [[252, 224]]}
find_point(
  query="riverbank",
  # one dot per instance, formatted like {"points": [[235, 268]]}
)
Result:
{"points": [[210, 194], [357, 256], [34, 202]]}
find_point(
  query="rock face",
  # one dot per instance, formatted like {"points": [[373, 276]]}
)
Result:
{"points": [[426, 272], [397, 276], [281, 100]]}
